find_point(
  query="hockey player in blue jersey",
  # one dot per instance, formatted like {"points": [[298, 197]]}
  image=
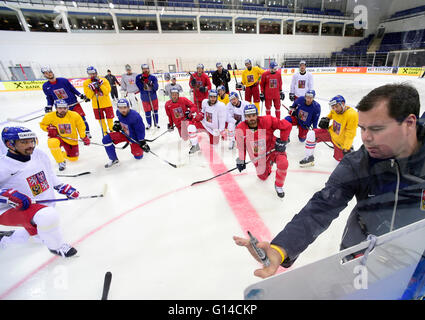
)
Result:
{"points": [[148, 85], [129, 128], [304, 114], [62, 89]]}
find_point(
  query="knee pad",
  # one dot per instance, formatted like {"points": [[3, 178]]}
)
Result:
{"points": [[46, 219], [53, 143]]}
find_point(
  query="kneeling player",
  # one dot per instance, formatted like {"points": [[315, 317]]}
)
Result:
{"points": [[178, 110], [212, 119], [26, 176], [129, 128], [63, 127], [235, 115], [255, 136], [341, 133], [304, 113]]}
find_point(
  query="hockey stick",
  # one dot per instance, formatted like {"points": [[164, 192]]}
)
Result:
{"points": [[158, 136], [73, 175], [65, 199], [100, 116], [228, 171], [106, 285], [150, 151], [94, 143], [23, 121], [234, 75]]}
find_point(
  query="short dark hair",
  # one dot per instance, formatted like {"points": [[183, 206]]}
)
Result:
{"points": [[108, 70], [402, 100]]}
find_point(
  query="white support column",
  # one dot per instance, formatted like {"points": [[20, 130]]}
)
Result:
{"points": [[158, 22], [65, 21], [281, 25], [198, 23], [343, 29], [320, 28], [323, 5], [258, 25], [294, 27], [115, 20], [233, 25], [20, 16]]}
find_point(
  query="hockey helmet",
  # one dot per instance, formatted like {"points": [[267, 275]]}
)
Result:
{"points": [[12, 134], [250, 109]]}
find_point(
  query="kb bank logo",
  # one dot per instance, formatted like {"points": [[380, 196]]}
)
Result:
{"points": [[360, 21]]}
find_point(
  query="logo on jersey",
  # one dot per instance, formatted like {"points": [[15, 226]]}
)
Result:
{"points": [[250, 78], [423, 200], [178, 112], [336, 127], [64, 128], [259, 146], [60, 93], [273, 83], [38, 183], [125, 128], [302, 115], [301, 84], [209, 117]]}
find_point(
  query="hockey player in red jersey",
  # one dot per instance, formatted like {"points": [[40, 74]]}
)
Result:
{"points": [[271, 89], [255, 136], [200, 84], [178, 110]]}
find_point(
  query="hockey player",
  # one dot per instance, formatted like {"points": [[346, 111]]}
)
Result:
{"points": [[172, 85], [63, 127], [129, 88], [221, 77], [200, 84], [98, 89], [129, 125], [222, 95], [26, 176], [211, 119], [255, 135], [304, 114], [271, 89], [341, 133], [62, 89], [385, 174], [235, 115], [148, 85], [113, 81], [251, 78], [301, 82]]}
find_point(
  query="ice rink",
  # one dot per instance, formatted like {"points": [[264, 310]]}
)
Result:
{"points": [[160, 237]]}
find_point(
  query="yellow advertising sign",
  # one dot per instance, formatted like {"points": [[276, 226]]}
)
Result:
{"points": [[409, 71], [23, 85]]}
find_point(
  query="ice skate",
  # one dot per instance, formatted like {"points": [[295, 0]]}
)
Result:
{"points": [[64, 251], [307, 162]]}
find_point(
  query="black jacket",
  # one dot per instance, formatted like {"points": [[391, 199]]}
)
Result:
{"points": [[374, 184], [222, 78]]}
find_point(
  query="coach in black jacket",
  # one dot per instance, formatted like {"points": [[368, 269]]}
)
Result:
{"points": [[221, 77], [386, 175]]}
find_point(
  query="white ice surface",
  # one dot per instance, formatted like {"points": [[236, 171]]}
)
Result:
{"points": [[160, 238]]}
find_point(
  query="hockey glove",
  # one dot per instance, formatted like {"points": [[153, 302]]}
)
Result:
{"points": [[86, 141], [280, 145], [52, 131], [203, 89], [240, 87], [292, 97], [324, 123], [241, 164], [48, 109], [188, 115], [282, 95], [16, 199], [170, 127], [193, 82], [117, 126], [68, 190], [292, 110], [262, 98], [144, 146]]}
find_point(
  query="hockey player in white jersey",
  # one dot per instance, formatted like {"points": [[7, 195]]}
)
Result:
{"points": [[212, 119], [129, 88], [26, 176], [235, 115], [302, 82]]}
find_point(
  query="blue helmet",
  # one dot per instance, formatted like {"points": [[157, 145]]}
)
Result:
{"points": [[16, 133], [250, 109], [213, 93], [221, 88], [91, 70], [273, 65], [200, 65], [310, 93], [61, 104], [337, 99], [233, 95], [123, 103], [46, 69], [145, 66]]}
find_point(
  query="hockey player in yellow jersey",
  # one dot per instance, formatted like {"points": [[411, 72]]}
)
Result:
{"points": [[97, 90], [63, 127], [341, 133], [251, 77], [222, 95]]}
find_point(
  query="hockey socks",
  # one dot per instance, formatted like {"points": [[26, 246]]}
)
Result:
{"points": [[148, 118]]}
